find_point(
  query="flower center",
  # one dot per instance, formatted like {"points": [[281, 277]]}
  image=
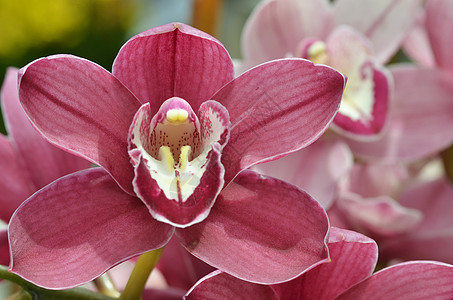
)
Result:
{"points": [[175, 140], [317, 52]]}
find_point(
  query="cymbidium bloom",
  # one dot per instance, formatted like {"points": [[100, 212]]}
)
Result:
{"points": [[368, 199], [347, 276], [27, 161], [406, 209], [421, 107], [343, 35], [171, 128], [432, 237], [426, 43]]}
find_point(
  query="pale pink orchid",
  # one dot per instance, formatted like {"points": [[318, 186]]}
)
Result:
{"points": [[27, 161], [422, 105], [347, 276], [420, 114], [427, 43], [406, 210], [167, 170], [432, 238], [368, 200], [343, 35]]}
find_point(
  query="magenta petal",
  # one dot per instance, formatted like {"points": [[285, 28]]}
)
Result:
{"points": [[40, 160], [79, 106], [215, 123], [219, 285], [78, 227], [261, 230], [353, 258], [439, 21], [4, 247], [173, 60], [15, 184], [417, 127], [277, 108], [316, 169], [180, 268], [411, 281]]}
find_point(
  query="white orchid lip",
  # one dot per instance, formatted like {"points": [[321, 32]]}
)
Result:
{"points": [[174, 153]]}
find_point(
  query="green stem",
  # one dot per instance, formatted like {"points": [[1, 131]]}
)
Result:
{"points": [[20, 295], [39, 293], [136, 283], [104, 285]]}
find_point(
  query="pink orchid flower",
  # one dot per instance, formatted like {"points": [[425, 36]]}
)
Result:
{"points": [[368, 200], [168, 170], [432, 238], [426, 43], [421, 107], [347, 276], [407, 212], [343, 35], [29, 160]]}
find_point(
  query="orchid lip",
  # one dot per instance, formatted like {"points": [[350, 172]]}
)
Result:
{"points": [[172, 153]]}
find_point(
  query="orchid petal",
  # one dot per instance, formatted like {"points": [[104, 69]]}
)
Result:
{"points": [[275, 28], [384, 22], [82, 108], [412, 280], [376, 179], [417, 45], [180, 268], [173, 60], [220, 285], [315, 169], [163, 294], [364, 106], [16, 186], [171, 208], [414, 127], [78, 227], [42, 161], [4, 247], [215, 123], [439, 21], [353, 258], [380, 215], [433, 237], [261, 230], [289, 104]]}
